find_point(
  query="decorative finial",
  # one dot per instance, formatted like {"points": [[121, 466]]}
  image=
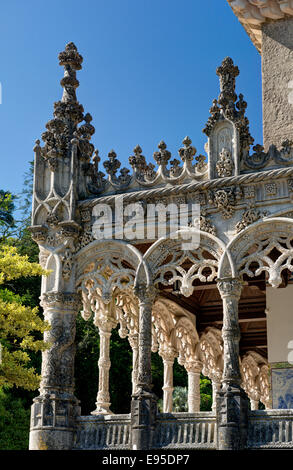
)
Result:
{"points": [[63, 131], [163, 156], [227, 73], [187, 152], [71, 60]]}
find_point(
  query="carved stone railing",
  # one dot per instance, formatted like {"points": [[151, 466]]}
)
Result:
{"points": [[186, 431], [270, 429], [103, 432], [267, 429]]}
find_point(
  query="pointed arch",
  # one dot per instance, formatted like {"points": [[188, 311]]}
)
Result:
{"points": [[166, 257], [265, 246]]}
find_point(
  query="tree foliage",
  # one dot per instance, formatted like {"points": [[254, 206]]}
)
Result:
{"points": [[7, 222], [18, 323], [14, 422]]}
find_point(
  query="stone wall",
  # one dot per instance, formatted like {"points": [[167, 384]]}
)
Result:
{"points": [[277, 78]]}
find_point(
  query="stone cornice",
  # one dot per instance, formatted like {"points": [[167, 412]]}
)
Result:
{"points": [[252, 14], [179, 190]]}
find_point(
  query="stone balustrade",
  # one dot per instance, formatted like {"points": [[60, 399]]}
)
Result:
{"points": [[185, 431], [270, 429], [103, 432]]}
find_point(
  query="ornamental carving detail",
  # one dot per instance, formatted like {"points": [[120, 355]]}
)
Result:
{"points": [[205, 224], [225, 201], [224, 165], [250, 216]]}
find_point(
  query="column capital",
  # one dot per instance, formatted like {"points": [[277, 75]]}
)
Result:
{"points": [[168, 354], [230, 287], [105, 325], [67, 300], [193, 366]]}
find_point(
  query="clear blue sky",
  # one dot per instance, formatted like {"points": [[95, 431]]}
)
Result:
{"points": [[148, 72]]}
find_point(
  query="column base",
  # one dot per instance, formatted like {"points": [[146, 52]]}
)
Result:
{"points": [[143, 417], [53, 422], [102, 410], [232, 418]]}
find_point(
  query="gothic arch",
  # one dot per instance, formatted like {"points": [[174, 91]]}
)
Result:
{"points": [[165, 259], [211, 353], [104, 265], [265, 246], [255, 378]]}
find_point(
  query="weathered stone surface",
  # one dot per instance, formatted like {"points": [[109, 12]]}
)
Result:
{"points": [[277, 80]]}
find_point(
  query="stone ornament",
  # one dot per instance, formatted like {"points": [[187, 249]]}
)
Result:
{"points": [[225, 201], [205, 223], [250, 216], [224, 164]]}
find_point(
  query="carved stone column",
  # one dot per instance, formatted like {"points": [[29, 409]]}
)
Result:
{"points": [[143, 404], [193, 370], [55, 409], [232, 402], [168, 357], [216, 386], [133, 341], [103, 396]]}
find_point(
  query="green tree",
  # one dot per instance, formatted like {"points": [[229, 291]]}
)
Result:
{"points": [[18, 323], [7, 222], [206, 394], [14, 422]]}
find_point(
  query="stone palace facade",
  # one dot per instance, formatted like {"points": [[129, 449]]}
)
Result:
{"points": [[221, 307]]}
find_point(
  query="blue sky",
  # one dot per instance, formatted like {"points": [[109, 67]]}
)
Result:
{"points": [[148, 72]]}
